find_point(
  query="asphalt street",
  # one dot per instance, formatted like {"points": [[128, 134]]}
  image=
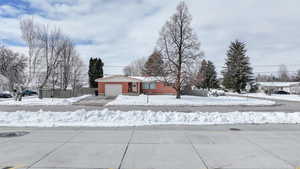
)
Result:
{"points": [[281, 106], [154, 147]]}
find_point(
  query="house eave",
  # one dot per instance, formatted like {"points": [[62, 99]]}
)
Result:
{"points": [[118, 78]]}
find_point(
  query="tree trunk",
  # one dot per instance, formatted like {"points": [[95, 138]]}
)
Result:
{"points": [[178, 94]]}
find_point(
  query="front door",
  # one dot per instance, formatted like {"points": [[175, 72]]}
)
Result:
{"points": [[129, 87]]}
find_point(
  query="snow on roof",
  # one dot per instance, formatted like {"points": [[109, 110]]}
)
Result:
{"points": [[277, 84], [148, 79], [122, 78], [117, 78]]}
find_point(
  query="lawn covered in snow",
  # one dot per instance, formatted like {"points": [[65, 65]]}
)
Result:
{"points": [[273, 96], [35, 101], [157, 100], [107, 118]]}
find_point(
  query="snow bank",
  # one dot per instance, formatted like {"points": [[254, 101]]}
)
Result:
{"points": [[157, 100], [273, 96], [33, 101], [277, 84], [107, 118]]}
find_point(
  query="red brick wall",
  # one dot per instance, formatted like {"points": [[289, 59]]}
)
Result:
{"points": [[101, 86], [160, 89]]}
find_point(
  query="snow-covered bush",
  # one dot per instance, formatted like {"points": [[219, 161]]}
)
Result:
{"points": [[216, 92]]}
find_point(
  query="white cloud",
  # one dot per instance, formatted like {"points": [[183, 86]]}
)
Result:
{"points": [[9, 10], [19, 49], [123, 31]]}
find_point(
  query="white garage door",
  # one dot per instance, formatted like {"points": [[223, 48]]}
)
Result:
{"points": [[113, 89]]}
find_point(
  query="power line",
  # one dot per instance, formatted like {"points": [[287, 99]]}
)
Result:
{"points": [[276, 72], [276, 65], [222, 65]]}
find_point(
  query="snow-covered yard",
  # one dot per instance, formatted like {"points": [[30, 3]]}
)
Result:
{"points": [[107, 118], [157, 100], [35, 101], [273, 96], [5, 99]]}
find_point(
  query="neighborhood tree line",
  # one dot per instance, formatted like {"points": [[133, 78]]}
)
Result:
{"points": [[53, 61], [179, 60]]}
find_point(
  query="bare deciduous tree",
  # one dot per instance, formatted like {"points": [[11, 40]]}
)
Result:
{"points": [[179, 47], [135, 68], [297, 76], [51, 43], [12, 66], [29, 35], [76, 72], [52, 55], [127, 70], [283, 74], [68, 57]]}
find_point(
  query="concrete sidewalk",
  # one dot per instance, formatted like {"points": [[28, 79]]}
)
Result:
{"points": [[154, 147]]}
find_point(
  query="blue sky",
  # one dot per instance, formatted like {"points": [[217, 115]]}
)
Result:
{"points": [[120, 31]]}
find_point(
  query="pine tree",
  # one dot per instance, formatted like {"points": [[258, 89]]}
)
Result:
{"points": [[207, 76], [297, 78], [200, 83], [154, 65], [95, 71], [237, 72], [211, 76]]}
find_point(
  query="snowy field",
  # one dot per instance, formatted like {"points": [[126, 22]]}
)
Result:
{"points": [[107, 118], [157, 100], [35, 101], [273, 96]]}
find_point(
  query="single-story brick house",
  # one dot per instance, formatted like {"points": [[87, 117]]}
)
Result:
{"points": [[127, 85]]}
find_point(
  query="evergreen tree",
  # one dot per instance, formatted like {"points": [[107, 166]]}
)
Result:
{"points": [[95, 71], [237, 71], [200, 80], [154, 65], [297, 78], [207, 76], [211, 76]]}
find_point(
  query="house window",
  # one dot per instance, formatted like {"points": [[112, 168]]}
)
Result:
{"points": [[151, 85]]}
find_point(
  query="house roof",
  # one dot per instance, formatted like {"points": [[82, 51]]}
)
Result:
{"points": [[148, 79], [122, 78], [118, 78], [278, 84]]}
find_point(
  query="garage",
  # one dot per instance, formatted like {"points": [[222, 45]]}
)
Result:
{"points": [[113, 89], [118, 84]]}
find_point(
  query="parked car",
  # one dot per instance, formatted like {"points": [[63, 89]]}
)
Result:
{"points": [[281, 92], [5, 95], [29, 93]]}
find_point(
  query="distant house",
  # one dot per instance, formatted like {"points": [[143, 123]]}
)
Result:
{"points": [[291, 87], [4, 83], [118, 84]]}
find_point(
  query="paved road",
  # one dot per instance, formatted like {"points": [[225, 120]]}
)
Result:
{"points": [[281, 106], [154, 147]]}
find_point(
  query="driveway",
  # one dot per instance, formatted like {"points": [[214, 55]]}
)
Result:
{"points": [[154, 147]]}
